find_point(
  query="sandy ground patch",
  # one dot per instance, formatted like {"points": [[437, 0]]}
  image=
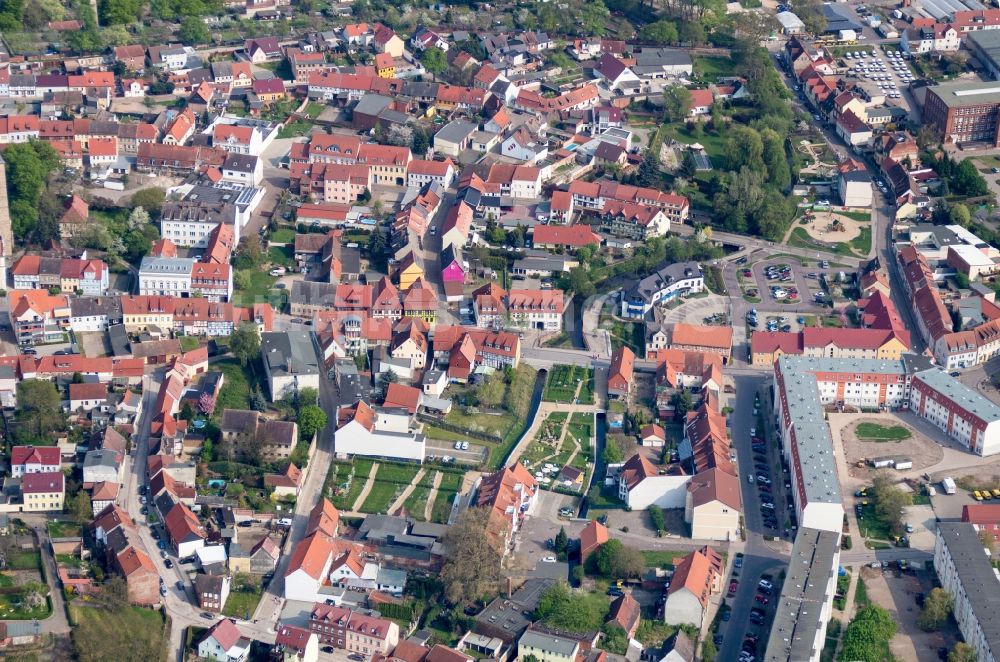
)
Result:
{"points": [[922, 451], [821, 226], [898, 596]]}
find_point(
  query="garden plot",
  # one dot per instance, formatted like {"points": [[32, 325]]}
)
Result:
{"points": [[560, 455]]}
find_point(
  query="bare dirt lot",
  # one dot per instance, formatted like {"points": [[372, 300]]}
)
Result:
{"points": [[833, 227], [924, 452], [898, 596]]}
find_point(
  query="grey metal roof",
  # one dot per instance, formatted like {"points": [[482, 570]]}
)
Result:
{"points": [[289, 353], [960, 394], [455, 131], [977, 577], [372, 104], [111, 307], [799, 614], [661, 278], [313, 293], [166, 265], [549, 643], [391, 576], [965, 93]]}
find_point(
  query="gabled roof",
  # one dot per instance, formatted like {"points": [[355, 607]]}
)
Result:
{"points": [[311, 556], [636, 469], [45, 455], [716, 485], [225, 633], [696, 573], [625, 611], [323, 518]]}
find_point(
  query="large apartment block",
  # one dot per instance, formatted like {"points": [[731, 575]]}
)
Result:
{"points": [[966, 571], [961, 412]]}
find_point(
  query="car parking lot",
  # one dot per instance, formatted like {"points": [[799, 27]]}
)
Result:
{"points": [[751, 635], [889, 71], [787, 282]]}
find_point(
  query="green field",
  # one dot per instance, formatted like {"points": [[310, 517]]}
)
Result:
{"points": [[562, 381], [380, 497], [875, 432], [63, 529], [189, 343], [442, 506], [712, 67], [259, 289], [241, 603], [450, 480], [581, 427], [24, 561], [396, 473], [235, 391], [493, 424], [416, 502], [146, 623], [283, 236]]}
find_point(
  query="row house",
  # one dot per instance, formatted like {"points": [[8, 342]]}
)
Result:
{"points": [[212, 281], [594, 196], [303, 64], [87, 277], [176, 159], [328, 85], [353, 631], [634, 221]]}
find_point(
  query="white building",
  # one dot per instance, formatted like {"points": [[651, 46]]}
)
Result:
{"points": [[224, 643], [290, 362], [165, 276], [372, 432], [806, 601], [663, 285], [696, 577], [961, 412], [640, 485], [965, 570], [308, 569]]}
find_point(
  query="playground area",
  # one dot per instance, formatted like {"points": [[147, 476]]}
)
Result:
{"points": [[832, 227]]}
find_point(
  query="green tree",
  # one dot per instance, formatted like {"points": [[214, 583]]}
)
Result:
{"points": [[967, 180], [890, 501], [490, 391], [471, 568], [151, 199], [660, 32], [708, 651], [434, 60], [937, 609], [28, 168], [962, 652], [692, 32], [250, 253], [311, 420], [194, 31], [744, 148], [775, 159], [959, 214], [676, 104], [649, 174], [419, 142], [79, 508], [244, 343], [119, 12], [592, 16], [615, 640], [38, 410], [376, 243], [561, 541], [616, 561], [657, 519], [867, 636], [682, 403], [573, 611]]}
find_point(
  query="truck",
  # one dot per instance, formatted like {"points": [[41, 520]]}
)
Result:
{"points": [[903, 464], [847, 36], [948, 484]]}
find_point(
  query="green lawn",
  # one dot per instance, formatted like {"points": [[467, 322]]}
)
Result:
{"points": [[338, 476], [876, 432], [235, 392], [493, 424], [863, 242], [189, 343], [581, 427], [69, 560], [433, 432], [450, 480], [442, 506], [258, 290], [380, 497], [389, 472], [283, 236], [281, 256], [24, 561], [712, 67], [243, 602], [63, 529], [715, 145], [314, 109], [6, 581], [562, 380], [661, 559], [294, 129], [416, 502], [872, 526], [124, 618], [12, 608]]}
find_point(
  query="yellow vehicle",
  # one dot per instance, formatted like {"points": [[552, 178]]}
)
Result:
{"points": [[977, 496], [986, 495], [996, 494]]}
